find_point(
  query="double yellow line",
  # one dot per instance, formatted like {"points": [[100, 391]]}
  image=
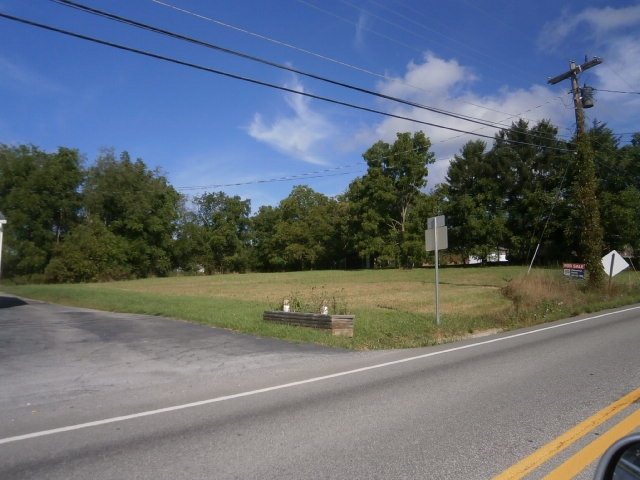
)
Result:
{"points": [[578, 462]]}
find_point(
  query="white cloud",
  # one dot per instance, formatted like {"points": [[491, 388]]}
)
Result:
{"points": [[362, 25], [620, 69], [599, 21], [19, 77], [619, 72], [448, 89], [431, 77], [615, 34], [296, 135]]}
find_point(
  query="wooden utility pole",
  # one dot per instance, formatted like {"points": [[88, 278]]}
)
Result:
{"points": [[573, 72], [586, 183]]}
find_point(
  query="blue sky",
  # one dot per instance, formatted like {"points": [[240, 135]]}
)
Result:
{"points": [[488, 59]]}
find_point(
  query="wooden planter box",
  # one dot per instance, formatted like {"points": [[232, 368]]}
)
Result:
{"points": [[338, 324]]}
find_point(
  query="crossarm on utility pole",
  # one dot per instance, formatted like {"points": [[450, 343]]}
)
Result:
{"points": [[574, 70], [586, 181]]}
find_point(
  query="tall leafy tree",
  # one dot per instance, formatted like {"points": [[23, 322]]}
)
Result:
{"points": [[618, 173], [587, 212], [218, 233], [39, 195], [265, 252], [90, 253], [426, 206], [475, 204], [340, 247], [136, 204], [531, 165], [304, 231], [381, 200], [621, 211]]}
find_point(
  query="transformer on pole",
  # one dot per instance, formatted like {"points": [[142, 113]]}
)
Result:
{"points": [[586, 181], [582, 97]]}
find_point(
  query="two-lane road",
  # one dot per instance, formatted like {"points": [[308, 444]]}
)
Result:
{"points": [[86, 394]]}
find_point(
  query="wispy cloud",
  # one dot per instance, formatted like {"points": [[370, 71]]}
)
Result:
{"points": [[431, 77], [17, 76], [448, 85], [362, 25], [296, 135], [615, 33], [598, 22]]}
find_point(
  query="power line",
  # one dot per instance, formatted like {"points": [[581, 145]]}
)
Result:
{"points": [[329, 59], [125, 48], [405, 18], [235, 76], [177, 36], [317, 174], [268, 39], [615, 91], [410, 19], [287, 178]]}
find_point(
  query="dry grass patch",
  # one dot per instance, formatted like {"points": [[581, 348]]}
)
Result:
{"points": [[393, 308], [543, 287]]}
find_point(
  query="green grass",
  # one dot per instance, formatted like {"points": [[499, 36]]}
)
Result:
{"points": [[393, 308]]}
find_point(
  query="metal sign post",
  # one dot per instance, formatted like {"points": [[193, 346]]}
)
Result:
{"points": [[436, 239], [3, 221]]}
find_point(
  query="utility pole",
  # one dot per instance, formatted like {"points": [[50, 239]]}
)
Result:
{"points": [[586, 183], [573, 72]]}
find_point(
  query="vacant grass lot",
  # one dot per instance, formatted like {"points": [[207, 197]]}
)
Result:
{"points": [[393, 308]]}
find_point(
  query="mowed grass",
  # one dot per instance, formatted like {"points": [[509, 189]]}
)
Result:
{"points": [[392, 308]]}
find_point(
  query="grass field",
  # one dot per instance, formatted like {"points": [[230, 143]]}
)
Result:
{"points": [[393, 308]]}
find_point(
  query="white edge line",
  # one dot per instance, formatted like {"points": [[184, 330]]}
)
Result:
{"points": [[249, 393]]}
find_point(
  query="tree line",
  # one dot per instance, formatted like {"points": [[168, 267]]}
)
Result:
{"points": [[119, 219]]}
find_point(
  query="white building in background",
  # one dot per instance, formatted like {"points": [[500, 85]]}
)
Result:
{"points": [[498, 256]]}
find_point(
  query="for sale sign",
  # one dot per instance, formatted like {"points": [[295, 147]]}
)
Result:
{"points": [[574, 270]]}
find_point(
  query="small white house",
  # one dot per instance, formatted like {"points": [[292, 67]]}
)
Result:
{"points": [[498, 256]]}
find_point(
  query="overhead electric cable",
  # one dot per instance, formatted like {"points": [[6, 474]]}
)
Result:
{"points": [[302, 176], [250, 80], [232, 75], [177, 36], [317, 174], [546, 224], [614, 91], [622, 78], [478, 53], [268, 39], [329, 59]]}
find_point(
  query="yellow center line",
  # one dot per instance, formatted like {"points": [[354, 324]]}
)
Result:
{"points": [[551, 449], [595, 449]]}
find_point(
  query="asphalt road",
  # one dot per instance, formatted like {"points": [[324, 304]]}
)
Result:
{"points": [[86, 394]]}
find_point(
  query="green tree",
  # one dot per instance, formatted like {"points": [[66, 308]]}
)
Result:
{"points": [[381, 200], [136, 204], [265, 252], [91, 253], [530, 169], [620, 220], [39, 195], [340, 246], [475, 204], [304, 231], [587, 212], [218, 233], [425, 206], [618, 174]]}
